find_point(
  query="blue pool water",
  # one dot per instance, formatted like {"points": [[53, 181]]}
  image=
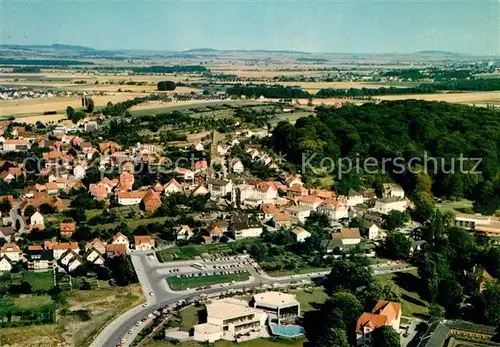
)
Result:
{"points": [[287, 330]]}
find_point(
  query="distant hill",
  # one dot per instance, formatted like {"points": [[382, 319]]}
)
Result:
{"points": [[442, 54]]}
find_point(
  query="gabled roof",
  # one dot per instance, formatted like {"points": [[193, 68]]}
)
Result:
{"points": [[10, 247], [347, 233], [370, 320]]}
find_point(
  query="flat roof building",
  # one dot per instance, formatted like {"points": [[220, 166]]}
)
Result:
{"points": [[278, 303]]}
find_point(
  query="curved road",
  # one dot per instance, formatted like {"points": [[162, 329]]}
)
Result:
{"points": [[152, 276]]}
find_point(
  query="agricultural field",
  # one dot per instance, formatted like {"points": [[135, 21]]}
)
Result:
{"points": [[79, 320], [33, 108], [177, 284], [478, 98]]}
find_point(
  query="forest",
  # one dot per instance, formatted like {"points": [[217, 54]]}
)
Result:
{"points": [[406, 129]]}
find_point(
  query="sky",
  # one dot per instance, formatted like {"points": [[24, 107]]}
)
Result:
{"points": [[327, 26]]}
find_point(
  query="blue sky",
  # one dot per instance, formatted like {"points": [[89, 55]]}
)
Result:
{"points": [[314, 26]]}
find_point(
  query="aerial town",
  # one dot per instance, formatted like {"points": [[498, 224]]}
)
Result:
{"points": [[250, 194]]}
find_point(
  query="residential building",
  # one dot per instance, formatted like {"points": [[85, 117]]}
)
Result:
{"points": [[243, 225], [310, 202], [173, 187], [5, 264], [392, 190], [99, 245], [237, 166], [298, 214], [16, 145], [115, 250], [375, 232], [144, 243], [385, 313], [333, 209], [301, 234], [185, 174], [12, 251], [199, 190], [37, 221], [95, 257], [39, 259], [130, 198], [67, 229], [219, 187], [151, 201], [281, 220], [120, 239], [183, 232], [386, 205]]}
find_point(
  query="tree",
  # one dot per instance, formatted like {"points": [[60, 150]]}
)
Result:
{"points": [[395, 220], [375, 291], [70, 112], [333, 337], [89, 105], [385, 336], [436, 311], [397, 246], [348, 274], [491, 300], [166, 85], [5, 206], [29, 211]]}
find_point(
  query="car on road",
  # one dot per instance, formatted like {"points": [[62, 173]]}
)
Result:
{"points": [[130, 331], [151, 294], [122, 340], [145, 304], [138, 323]]}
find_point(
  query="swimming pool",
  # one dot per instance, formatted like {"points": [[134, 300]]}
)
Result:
{"points": [[287, 330]]}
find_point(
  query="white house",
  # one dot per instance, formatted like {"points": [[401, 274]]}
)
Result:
{"points": [[75, 263], [310, 202], [243, 225], [144, 243], [11, 251], [386, 205], [183, 232], [130, 198], [333, 209], [298, 214], [200, 190], [120, 239], [199, 147], [172, 187], [95, 257], [37, 221], [374, 232], [5, 264], [79, 171], [392, 190], [301, 234], [237, 166], [184, 173], [10, 145], [219, 188]]}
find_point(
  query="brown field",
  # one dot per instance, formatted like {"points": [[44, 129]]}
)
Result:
{"points": [[103, 305], [478, 98], [35, 107], [270, 74]]}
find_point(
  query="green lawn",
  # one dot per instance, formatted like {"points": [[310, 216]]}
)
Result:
{"points": [[191, 252], [309, 298], [31, 301], [464, 206], [304, 270], [223, 343], [40, 281], [189, 316], [407, 283], [132, 223], [195, 282]]}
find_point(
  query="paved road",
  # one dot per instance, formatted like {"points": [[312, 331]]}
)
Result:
{"points": [[152, 278], [14, 215]]}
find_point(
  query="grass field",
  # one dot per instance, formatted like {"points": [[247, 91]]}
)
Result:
{"points": [[407, 283], [189, 316], [31, 301], [194, 282], [309, 298], [459, 206], [223, 343], [191, 252], [304, 270], [41, 281]]}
